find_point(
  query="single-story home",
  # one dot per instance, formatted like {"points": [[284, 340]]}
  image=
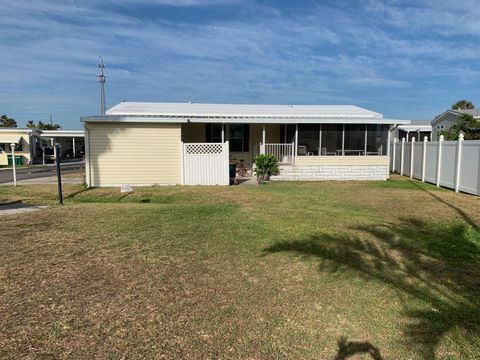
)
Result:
{"points": [[448, 118], [140, 143], [31, 144]]}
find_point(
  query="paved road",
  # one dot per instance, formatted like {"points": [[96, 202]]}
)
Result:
{"points": [[6, 175]]}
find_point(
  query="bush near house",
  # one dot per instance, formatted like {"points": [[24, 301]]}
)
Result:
{"points": [[265, 166]]}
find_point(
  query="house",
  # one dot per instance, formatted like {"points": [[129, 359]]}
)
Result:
{"points": [[448, 118], [176, 143], [31, 144], [416, 129], [22, 138]]}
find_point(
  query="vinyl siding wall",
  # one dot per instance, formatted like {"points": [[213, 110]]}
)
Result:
{"points": [[135, 154]]}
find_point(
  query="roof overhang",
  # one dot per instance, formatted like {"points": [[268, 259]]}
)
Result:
{"points": [[415, 128], [62, 133], [242, 119], [9, 139]]}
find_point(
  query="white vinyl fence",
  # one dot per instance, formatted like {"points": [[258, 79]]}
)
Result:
{"points": [[452, 164], [205, 164]]}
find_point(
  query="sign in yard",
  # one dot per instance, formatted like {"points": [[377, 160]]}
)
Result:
{"points": [[125, 188]]}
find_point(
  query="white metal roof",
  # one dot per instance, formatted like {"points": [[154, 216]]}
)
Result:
{"points": [[239, 110], [415, 127], [62, 133]]}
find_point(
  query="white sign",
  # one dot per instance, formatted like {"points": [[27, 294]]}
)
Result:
{"points": [[125, 188]]}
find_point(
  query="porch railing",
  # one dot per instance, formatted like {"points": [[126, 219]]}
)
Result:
{"points": [[283, 152]]}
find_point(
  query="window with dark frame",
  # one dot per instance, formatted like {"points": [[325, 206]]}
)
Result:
{"points": [[239, 137]]}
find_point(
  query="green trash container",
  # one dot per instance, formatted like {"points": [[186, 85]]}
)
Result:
{"points": [[232, 170], [18, 160]]}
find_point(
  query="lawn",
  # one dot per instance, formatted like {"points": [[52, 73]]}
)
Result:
{"points": [[383, 270]]}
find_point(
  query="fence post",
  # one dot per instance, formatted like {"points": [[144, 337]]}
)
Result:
{"points": [[439, 159], [424, 157], [402, 156], [182, 165], [411, 157], [226, 151], [394, 150], [459, 160]]}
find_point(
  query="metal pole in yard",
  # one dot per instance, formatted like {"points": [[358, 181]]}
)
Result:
{"points": [[59, 174], [14, 166]]}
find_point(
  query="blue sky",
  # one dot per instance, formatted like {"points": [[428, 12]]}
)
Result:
{"points": [[405, 59]]}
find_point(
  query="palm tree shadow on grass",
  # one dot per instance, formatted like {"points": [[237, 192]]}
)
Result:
{"points": [[436, 265]]}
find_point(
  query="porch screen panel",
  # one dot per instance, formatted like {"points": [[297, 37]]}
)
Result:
{"points": [[377, 137], [308, 139], [213, 133], [354, 139], [331, 139]]}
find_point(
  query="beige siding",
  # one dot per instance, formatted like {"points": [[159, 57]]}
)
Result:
{"points": [[136, 154], [341, 160]]}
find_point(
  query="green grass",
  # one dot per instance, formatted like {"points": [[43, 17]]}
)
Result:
{"points": [[286, 270]]}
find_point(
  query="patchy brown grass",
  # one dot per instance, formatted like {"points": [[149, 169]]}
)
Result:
{"points": [[310, 270]]}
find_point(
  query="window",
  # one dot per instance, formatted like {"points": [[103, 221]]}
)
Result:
{"points": [[331, 139], [238, 137], [213, 133]]}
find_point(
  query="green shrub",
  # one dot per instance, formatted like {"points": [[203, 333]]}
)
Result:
{"points": [[265, 165]]}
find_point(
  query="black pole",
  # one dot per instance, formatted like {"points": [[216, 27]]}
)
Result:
{"points": [[59, 174]]}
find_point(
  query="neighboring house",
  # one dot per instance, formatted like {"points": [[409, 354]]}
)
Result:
{"points": [[416, 129], [448, 118], [22, 138], [153, 143], [32, 143]]}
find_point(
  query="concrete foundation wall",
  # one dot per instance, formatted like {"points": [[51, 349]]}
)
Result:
{"points": [[332, 172]]}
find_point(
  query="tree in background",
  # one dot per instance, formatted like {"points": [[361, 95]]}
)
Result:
{"points": [[30, 124], [463, 104], [42, 126], [466, 124], [7, 122]]}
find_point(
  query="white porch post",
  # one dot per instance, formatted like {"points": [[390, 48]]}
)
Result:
{"points": [[411, 156], [263, 134], [320, 141], [343, 140], [73, 146], [296, 140], [365, 145], [223, 132], [459, 160]]}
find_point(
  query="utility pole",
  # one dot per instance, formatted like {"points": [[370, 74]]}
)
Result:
{"points": [[101, 80]]}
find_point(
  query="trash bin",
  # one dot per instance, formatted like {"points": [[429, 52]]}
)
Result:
{"points": [[232, 170], [18, 160]]}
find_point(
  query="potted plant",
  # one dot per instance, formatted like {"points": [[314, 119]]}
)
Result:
{"points": [[265, 165]]}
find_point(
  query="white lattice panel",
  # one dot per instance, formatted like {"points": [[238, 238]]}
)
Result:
{"points": [[204, 148]]}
